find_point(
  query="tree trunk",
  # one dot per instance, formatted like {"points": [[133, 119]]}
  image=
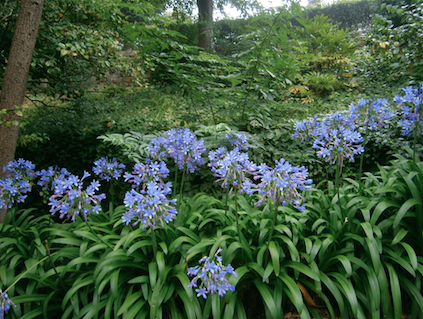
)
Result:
{"points": [[205, 24], [16, 77]]}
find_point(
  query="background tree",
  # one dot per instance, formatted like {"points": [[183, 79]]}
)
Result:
{"points": [[205, 15], [16, 77]]}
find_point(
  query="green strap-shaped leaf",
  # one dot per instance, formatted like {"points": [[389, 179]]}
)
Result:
{"points": [[215, 303], [152, 273], [374, 253], [294, 294], [156, 298], [138, 245], [274, 254], [139, 280], [401, 261], [130, 298], [413, 292], [267, 272], [92, 309], [267, 298], [229, 312], [399, 236], [411, 255], [199, 248], [174, 246], [76, 287], [191, 306], [380, 209], [395, 291], [385, 298], [346, 287], [304, 269], [36, 313], [405, 208]]}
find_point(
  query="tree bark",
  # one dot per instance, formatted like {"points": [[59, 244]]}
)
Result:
{"points": [[16, 77], [205, 24]]}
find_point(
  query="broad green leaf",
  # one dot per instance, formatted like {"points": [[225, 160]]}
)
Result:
{"points": [[294, 294], [395, 291], [267, 298], [275, 257], [399, 236], [304, 269], [346, 287], [405, 208], [411, 255]]}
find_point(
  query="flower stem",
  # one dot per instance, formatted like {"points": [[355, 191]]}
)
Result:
{"points": [[337, 182], [226, 201], [154, 242], [360, 170], [182, 182], [27, 271], [52, 263]]}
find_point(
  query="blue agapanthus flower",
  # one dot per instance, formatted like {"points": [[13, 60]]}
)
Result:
{"points": [[410, 110], [236, 140], [147, 202], [142, 173], [374, 114], [282, 184], [303, 129], [107, 168], [15, 188], [70, 198], [335, 137], [210, 277], [5, 304], [181, 145], [20, 168], [232, 168], [48, 178]]}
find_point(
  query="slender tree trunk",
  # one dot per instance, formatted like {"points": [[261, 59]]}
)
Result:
{"points": [[16, 77], [205, 24]]}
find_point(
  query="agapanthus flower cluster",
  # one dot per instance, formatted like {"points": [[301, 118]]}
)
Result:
{"points": [[147, 203], [374, 114], [20, 168], [334, 138], [231, 167], [236, 140], [107, 168], [281, 184], [212, 275], [71, 199], [47, 178], [304, 129], [14, 189], [142, 173], [409, 107], [181, 145], [4, 304]]}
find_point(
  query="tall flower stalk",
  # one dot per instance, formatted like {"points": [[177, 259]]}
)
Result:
{"points": [[147, 203], [183, 147], [335, 138], [370, 116], [280, 185]]}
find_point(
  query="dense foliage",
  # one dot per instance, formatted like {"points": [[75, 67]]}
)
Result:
{"points": [[285, 245], [281, 174]]}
